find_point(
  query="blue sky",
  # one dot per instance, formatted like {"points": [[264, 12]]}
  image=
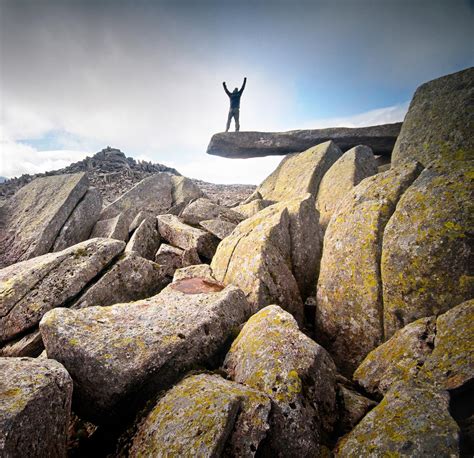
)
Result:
{"points": [[145, 76]]}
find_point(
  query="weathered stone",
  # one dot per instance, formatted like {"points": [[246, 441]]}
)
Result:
{"points": [[273, 356], [221, 229], [113, 228], [273, 256], [200, 270], [145, 240], [33, 217], [427, 250], [35, 405], [184, 191], [349, 312], [251, 208], [348, 171], [258, 144], [439, 122], [204, 209], [187, 237], [78, 226], [138, 220], [130, 279], [204, 415], [169, 258], [29, 345], [353, 408], [120, 356], [298, 174], [30, 288], [398, 359], [410, 421]]}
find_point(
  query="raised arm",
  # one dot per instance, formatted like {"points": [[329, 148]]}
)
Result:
{"points": [[243, 85], [225, 88]]}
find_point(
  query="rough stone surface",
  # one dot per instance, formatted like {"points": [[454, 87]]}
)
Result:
{"points": [[273, 256], [120, 356], [204, 209], [130, 279], [398, 359], [187, 237], [258, 144], [410, 421], [273, 356], [169, 258], [80, 223], [30, 288], [349, 293], [221, 229], [35, 404], [145, 240], [204, 415], [353, 408], [200, 270], [427, 247], [112, 228], [29, 345], [298, 174], [32, 218], [184, 191], [440, 121], [348, 171], [249, 209]]}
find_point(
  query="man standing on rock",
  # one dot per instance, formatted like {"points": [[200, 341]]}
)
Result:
{"points": [[234, 110]]}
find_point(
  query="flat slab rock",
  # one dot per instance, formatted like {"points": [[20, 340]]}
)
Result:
{"points": [[35, 405], [258, 144], [119, 356]]}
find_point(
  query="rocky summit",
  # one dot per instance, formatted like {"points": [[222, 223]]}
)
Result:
{"points": [[326, 312]]}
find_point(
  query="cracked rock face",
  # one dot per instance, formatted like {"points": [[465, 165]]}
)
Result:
{"points": [[204, 209], [145, 240]]}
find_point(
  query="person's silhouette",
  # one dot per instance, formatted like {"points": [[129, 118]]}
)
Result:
{"points": [[234, 110]]}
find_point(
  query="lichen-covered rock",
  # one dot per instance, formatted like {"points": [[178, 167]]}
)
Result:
{"points": [[398, 359], [119, 356], [35, 405], [273, 256], [220, 228], [439, 122], [251, 208], [112, 228], [30, 344], [353, 407], [299, 174], [171, 258], [349, 293], [34, 216], [273, 356], [184, 191], [199, 270], [187, 237], [427, 253], [30, 288], [410, 421], [204, 415], [145, 240], [204, 209], [348, 171], [130, 279], [80, 223]]}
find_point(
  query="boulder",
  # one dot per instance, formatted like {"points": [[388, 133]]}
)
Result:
{"points": [[145, 240], [187, 237], [258, 144], [272, 355], [298, 174], [30, 344], [130, 279], [112, 228], [169, 258], [353, 407], [427, 255], [199, 270], [348, 171], [142, 215], [184, 191], [273, 256], [204, 209], [439, 122], [251, 208], [411, 420], [78, 226], [35, 405], [30, 288], [204, 415], [221, 229], [34, 216], [349, 293], [120, 356]]}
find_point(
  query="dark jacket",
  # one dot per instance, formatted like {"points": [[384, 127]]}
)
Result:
{"points": [[235, 96]]}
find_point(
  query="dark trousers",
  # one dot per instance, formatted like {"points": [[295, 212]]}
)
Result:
{"points": [[233, 113]]}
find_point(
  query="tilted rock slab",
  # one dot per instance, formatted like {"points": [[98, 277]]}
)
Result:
{"points": [[439, 122], [199, 270], [427, 249], [348, 171], [35, 405], [145, 240], [30, 288], [30, 344], [113, 228], [353, 407], [34, 216], [204, 415], [273, 256], [258, 144], [272, 355], [221, 229], [349, 313], [249, 209], [203, 209], [119, 356]]}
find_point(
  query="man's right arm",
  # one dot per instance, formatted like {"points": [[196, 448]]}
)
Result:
{"points": [[225, 88]]}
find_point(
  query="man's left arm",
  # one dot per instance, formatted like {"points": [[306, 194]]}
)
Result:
{"points": [[243, 85]]}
